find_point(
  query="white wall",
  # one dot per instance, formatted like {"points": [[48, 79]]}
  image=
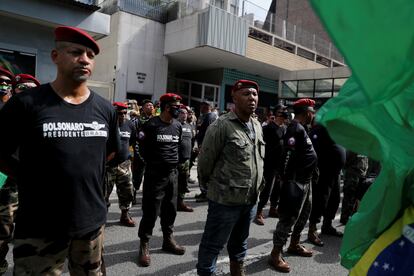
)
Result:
{"points": [[135, 45]]}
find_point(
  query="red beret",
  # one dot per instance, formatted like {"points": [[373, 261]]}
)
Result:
{"points": [[304, 104], [120, 105], [22, 78], [75, 35], [170, 97], [7, 73], [240, 84]]}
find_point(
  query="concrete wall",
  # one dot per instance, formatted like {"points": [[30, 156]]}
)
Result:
{"points": [[49, 13], [271, 55], [30, 38], [135, 56], [181, 34]]}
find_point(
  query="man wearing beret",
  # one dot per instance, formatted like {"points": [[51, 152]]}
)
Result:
{"points": [[230, 169], [6, 81], [65, 133], [299, 166], [273, 134], [138, 163], [119, 168], [8, 193], [160, 140], [23, 82]]}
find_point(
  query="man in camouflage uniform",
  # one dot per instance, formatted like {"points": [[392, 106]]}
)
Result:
{"points": [[138, 164], [64, 134], [355, 171], [118, 170], [8, 194], [230, 169]]}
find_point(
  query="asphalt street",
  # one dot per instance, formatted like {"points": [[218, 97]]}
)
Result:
{"points": [[121, 247]]}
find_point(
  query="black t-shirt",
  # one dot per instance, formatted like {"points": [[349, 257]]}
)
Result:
{"points": [[127, 133], [300, 157], [185, 146], [160, 141], [62, 151]]}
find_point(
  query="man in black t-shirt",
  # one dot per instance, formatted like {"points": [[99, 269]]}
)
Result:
{"points": [[294, 206], [119, 169], [184, 161], [273, 134], [160, 140], [65, 133]]}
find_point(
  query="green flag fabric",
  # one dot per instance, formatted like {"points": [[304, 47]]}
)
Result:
{"points": [[374, 112], [3, 178]]}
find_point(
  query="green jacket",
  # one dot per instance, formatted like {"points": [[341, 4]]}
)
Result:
{"points": [[230, 164]]}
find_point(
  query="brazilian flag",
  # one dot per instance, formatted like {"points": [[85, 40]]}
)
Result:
{"points": [[374, 115]]}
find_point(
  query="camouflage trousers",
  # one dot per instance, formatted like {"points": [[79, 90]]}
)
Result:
{"points": [[47, 256], [183, 174], [287, 221], [121, 176], [8, 207], [350, 189]]}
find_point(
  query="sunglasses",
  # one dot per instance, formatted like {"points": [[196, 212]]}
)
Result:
{"points": [[6, 81]]}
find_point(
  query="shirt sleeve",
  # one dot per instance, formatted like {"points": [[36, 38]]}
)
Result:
{"points": [[211, 149]]}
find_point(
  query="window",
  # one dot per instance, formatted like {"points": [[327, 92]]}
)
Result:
{"points": [[305, 88], [289, 89], [323, 88], [18, 62], [338, 83]]}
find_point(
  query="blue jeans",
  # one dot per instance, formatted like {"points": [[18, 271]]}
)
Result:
{"points": [[225, 224]]}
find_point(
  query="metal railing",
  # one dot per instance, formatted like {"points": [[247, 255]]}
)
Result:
{"points": [[158, 10]]}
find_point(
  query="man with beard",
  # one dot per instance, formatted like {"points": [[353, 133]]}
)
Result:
{"points": [[160, 140], [230, 168], [65, 133], [294, 206]]}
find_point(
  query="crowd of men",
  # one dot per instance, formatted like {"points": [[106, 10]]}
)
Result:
{"points": [[62, 138]]}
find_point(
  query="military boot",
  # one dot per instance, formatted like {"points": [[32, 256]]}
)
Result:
{"points": [[144, 258], [259, 219], [273, 212], [126, 219], [170, 245], [328, 229], [182, 207], [237, 268], [295, 248], [313, 236], [276, 260]]}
